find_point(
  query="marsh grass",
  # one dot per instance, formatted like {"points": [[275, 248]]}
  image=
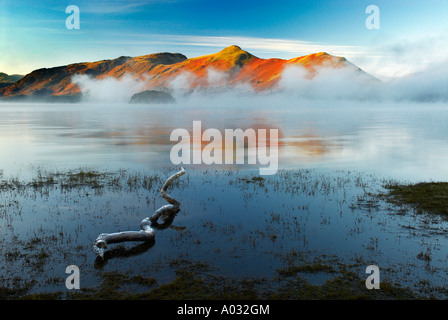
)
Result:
{"points": [[193, 280], [83, 178], [431, 197], [275, 212]]}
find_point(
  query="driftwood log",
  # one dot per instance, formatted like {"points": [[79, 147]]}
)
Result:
{"points": [[146, 232]]}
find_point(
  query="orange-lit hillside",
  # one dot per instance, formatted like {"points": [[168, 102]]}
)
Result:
{"points": [[230, 67], [238, 67]]}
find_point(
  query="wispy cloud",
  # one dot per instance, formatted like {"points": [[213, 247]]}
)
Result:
{"points": [[117, 6], [286, 47]]}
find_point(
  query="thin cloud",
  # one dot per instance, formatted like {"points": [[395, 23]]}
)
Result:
{"points": [[286, 47], [120, 7]]}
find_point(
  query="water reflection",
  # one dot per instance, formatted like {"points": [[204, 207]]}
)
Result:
{"points": [[311, 145], [400, 141], [123, 252]]}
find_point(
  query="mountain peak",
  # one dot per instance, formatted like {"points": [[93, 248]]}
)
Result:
{"points": [[234, 55], [233, 50]]}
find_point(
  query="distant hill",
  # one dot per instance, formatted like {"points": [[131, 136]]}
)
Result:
{"points": [[228, 68], [7, 80]]}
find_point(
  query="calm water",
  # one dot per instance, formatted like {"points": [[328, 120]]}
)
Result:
{"points": [[408, 141], [339, 151]]}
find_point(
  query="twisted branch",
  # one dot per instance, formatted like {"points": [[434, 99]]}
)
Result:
{"points": [[146, 232]]}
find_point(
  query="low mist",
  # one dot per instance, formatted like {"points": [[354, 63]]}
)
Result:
{"points": [[295, 83], [109, 90], [430, 85]]}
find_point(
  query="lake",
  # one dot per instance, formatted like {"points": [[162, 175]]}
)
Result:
{"points": [[405, 140], [332, 156]]}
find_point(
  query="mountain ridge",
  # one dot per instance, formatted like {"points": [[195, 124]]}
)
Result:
{"points": [[229, 67]]}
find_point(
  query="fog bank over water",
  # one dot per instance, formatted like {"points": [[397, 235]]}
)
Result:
{"points": [[295, 83], [108, 90]]}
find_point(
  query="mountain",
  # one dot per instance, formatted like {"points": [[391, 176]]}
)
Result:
{"points": [[230, 67], [7, 80], [57, 81]]}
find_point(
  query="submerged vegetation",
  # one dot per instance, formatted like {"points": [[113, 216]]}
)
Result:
{"points": [[429, 196], [194, 281], [301, 234]]}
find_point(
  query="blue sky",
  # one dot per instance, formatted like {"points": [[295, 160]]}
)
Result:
{"points": [[412, 34]]}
